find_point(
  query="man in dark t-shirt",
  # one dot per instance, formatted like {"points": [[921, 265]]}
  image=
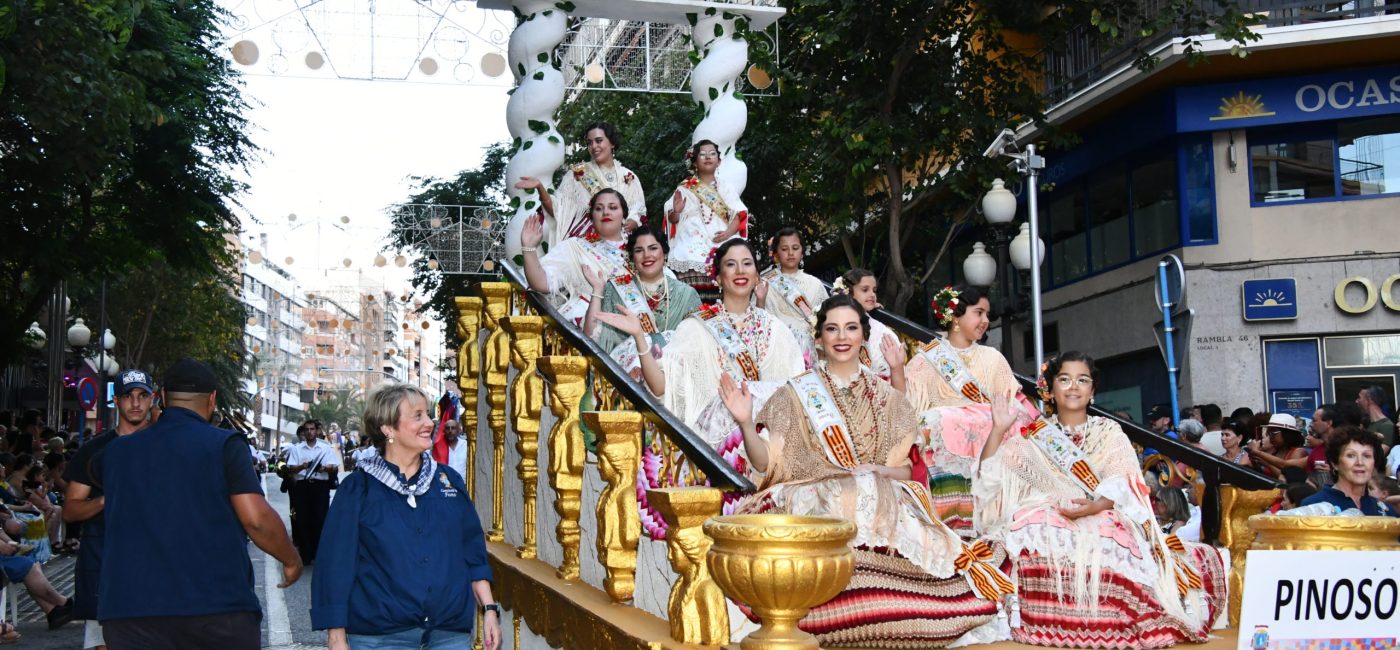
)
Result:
{"points": [[83, 499]]}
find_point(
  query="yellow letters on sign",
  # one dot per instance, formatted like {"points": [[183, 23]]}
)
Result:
{"points": [[1386, 294]]}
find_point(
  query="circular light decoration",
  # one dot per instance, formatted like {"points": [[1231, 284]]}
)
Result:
{"points": [[428, 66], [405, 326], [292, 218], [485, 224], [277, 64], [347, 324], [245, 52], [400, 261], [315, 60], [257, 349], [759, 77], [594, 73], [290, 260], [311, 295], [488, 265], [346, 262], [433, 263], [369, 297], [344, 218], [435, 222], [333, 323], [380, 261], [252, 320], [493, 64], [427, 325], [255, 257]]}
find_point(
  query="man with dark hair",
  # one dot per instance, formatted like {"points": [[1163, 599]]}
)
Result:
{"points": [[1242, 414], [181, 502], [1372, 400], [1324, 420], [1159, 419], [1213, 419], [83, 500], [314, 463]]}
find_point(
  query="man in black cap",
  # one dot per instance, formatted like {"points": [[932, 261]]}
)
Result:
{"points": [[182, 499], [83, 499], [1159, 419]]}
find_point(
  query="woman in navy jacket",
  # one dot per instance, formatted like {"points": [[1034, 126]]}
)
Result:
{"points": [[402, 561]]}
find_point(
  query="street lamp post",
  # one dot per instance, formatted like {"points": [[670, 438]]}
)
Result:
{"points": [[1014, 255]]}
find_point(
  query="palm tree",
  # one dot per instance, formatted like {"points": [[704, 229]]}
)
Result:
{"points": [[344, 407]]}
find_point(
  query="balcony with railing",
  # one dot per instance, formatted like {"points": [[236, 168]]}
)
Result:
{"points": [[1085, 55], [572, 562]]}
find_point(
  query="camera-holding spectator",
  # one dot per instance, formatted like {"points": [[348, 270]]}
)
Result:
{"points": [[1353, 452], [1284, 449]]}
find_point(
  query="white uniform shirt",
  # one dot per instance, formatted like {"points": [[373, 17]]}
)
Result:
{"points": [[457, 457], [303, 454]]}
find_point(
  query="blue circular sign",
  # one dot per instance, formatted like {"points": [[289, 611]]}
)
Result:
{"points": [[87, 393]]}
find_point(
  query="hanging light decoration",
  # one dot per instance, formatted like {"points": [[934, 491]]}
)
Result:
{"points": [[433, 263], [379, 261], [400, 261]]}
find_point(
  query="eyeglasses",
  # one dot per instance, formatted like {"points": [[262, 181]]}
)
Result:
{"points": [[1065, 381], [707, 154]]}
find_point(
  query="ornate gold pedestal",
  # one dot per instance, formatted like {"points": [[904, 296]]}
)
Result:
{"points": [[1325, 533], [781, 566]]}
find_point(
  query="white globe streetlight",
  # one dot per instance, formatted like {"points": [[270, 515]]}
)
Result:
{"points": [[36, 336], [999, 204], [109, 340], [79, 335], [979, 269], [1021, 249]]}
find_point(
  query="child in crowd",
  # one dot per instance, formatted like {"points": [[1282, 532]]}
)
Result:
{"points": [[1294, 495]]}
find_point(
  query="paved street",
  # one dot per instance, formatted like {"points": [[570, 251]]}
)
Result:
{"points": [[286, 613]]}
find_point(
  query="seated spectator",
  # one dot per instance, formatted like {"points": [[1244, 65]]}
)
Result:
{"points": [[1295, 495], [1284, 449], [21, 569], [1232, 437], [1170, 506], [1353, 451]]}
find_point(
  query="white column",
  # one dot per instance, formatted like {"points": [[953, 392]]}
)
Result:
{"points": [[539, 148], [714, 83]]}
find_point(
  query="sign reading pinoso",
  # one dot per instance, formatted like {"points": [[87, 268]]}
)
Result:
{"points": [[1329, 96]]}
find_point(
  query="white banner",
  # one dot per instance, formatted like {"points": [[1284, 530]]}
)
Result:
{"points": [[1321, 600]]}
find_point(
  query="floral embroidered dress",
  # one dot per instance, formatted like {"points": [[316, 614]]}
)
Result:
{"points": [[955, 420], [580, 183], [911, 586], [670, 302], [563, 266], [709, 210], [794, 299], [753, 347], [1108, 580]]}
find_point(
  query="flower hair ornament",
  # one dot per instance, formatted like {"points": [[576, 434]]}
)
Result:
{"points": [[943, 304], [1042, 387], [839, 286]]}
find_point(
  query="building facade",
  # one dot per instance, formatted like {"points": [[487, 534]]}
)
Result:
{"points": [[1275, 178], [273, 339]]}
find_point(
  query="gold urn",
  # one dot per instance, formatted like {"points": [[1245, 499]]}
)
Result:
{"points": [[1276, 533], [780, 566]]}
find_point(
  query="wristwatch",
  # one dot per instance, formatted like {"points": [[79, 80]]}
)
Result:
{"points": [[492, 607]]}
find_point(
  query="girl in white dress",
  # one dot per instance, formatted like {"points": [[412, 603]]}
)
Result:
{"points": [[702, 213], [560, 273], [789, 293]]}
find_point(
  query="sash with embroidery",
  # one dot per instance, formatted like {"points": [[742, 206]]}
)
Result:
{"points": [[1063, 453], [627, 289], [730, 343], [709, 197], [788, 290], [835, 437], [591, 178], [610, 256], [950, 367]]}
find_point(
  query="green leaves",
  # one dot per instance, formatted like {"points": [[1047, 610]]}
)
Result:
{"points": [[538, 126], [567, 6]]}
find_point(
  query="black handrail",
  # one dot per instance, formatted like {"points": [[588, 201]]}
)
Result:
{"points": [[1215, 471], [706, 459]]}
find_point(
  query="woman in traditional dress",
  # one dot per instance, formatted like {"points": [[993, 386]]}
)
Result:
{"points": [[561, 273], [789, 293], [1067, 496], [882, 352], [731, 338], [837, 444], [950, 381], [571, 205], [660, 302], [702, 213]]}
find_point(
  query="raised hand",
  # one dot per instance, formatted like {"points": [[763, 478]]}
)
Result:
{"points": [[529, 183], [595, 279], [892, 351], [624, 321], [677, 206], [760, 292], [737, 399], [533, 232], [1003, 416]]}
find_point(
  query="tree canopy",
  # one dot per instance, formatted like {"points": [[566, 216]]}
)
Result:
{"points": [[121, 126]]}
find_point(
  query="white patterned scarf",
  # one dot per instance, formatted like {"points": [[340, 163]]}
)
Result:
{"points": [[393, 478]]}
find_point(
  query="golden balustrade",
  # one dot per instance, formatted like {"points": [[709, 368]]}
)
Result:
{"points": [[497, 297], [1236, 507], [567, 382], [526, 405], [468, 367], [619, 520], [696, 610]]}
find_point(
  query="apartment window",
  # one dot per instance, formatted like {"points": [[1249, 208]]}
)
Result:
{"points": [[1068, 248], [1292, 170], [1367, 150], [1198, 189], [1156, 222], [1108, 215]]}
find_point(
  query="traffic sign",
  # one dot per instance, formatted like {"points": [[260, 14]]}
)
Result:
{"points": [[87, 393], [1175, 285], [1181, 338]]}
